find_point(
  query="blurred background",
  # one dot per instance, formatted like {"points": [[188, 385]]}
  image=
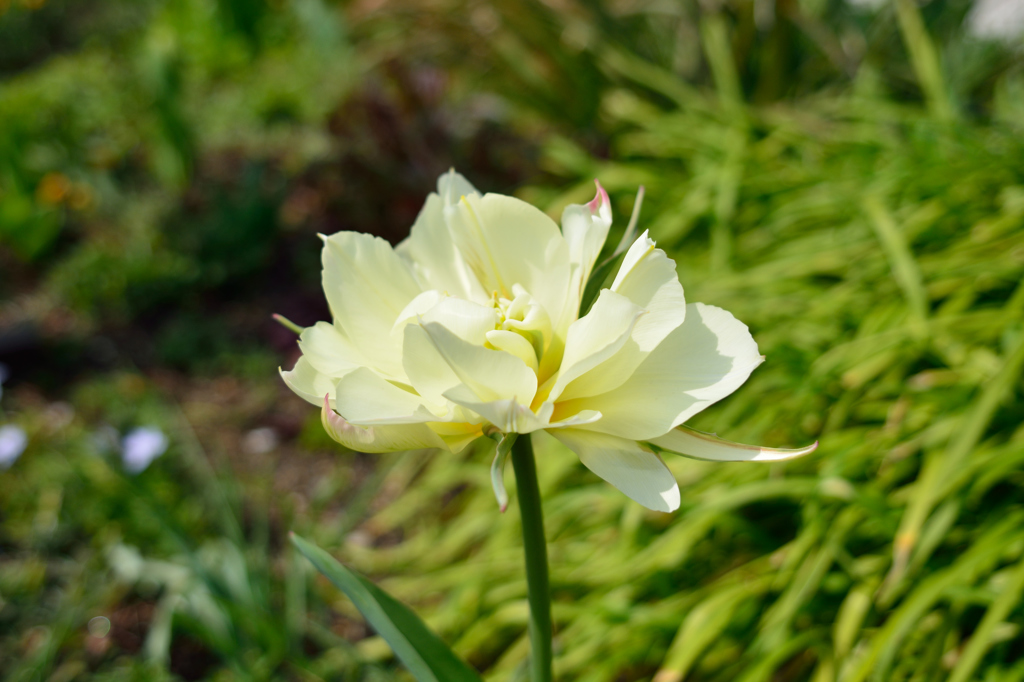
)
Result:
{"points": [[846, 176]]}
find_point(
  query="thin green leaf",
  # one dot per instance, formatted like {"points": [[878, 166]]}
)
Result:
{"points": [[423, 653]]}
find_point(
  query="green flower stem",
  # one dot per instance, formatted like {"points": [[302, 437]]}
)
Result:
{"points": [[536, 551]]}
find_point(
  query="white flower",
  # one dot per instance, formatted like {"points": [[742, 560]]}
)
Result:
{"points": [[13, 441], [141, 446], [471, 327]]}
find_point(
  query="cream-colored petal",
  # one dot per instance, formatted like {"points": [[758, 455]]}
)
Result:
{"points": [[367, 287], [432, 255], [328, 350], [381, 438], [634, 470], [506, 241], [688, 442], [363, 397], [579, 419], [585, 228], [490, 374], [648, 279], [452, 186], [457, 435], [307, 383], [507, 415], [595, 337], [412, 312], [426, 368], [708, 357], [467, 320], [513, 343]]}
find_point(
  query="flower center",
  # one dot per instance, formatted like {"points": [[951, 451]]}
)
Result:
{"points": [[522, 327]]}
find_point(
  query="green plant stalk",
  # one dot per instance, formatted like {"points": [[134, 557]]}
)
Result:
{"points": [[535, 548]]}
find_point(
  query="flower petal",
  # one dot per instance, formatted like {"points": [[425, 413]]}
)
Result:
{"points": [[514, 343], [688, 442], [585, 228], [507, 415], [634, 470], [594, 338], [467, 320], [426, 368], [457, 435], [328, 350], [648, 279], [417, 306], [490, 374], [506, 241], [498, 470], [383, 438], [307, 383], [452, 186], [705, 359], [364, 397], [367, 286], [433, 257]]}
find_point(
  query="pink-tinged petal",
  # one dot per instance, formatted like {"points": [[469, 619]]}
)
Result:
{"points": [[688, 442], [585, 228], [600, 204], [375, 439]]}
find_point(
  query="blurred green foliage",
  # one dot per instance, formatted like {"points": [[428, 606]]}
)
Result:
{"points": [[847, 179]]}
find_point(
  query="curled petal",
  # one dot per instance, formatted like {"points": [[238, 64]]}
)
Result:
{"points": [[498, 469], [383, 438], [600, 205], [688, 442]]}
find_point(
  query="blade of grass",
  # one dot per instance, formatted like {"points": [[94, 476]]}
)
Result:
{"points": [[423, 653]]}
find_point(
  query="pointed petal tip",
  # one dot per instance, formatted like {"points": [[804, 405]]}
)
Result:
{"points": [[688, 442], [600, 199]]}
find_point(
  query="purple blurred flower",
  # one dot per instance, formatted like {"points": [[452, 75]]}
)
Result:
{"points": [[12, 443], [141, 446]]}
